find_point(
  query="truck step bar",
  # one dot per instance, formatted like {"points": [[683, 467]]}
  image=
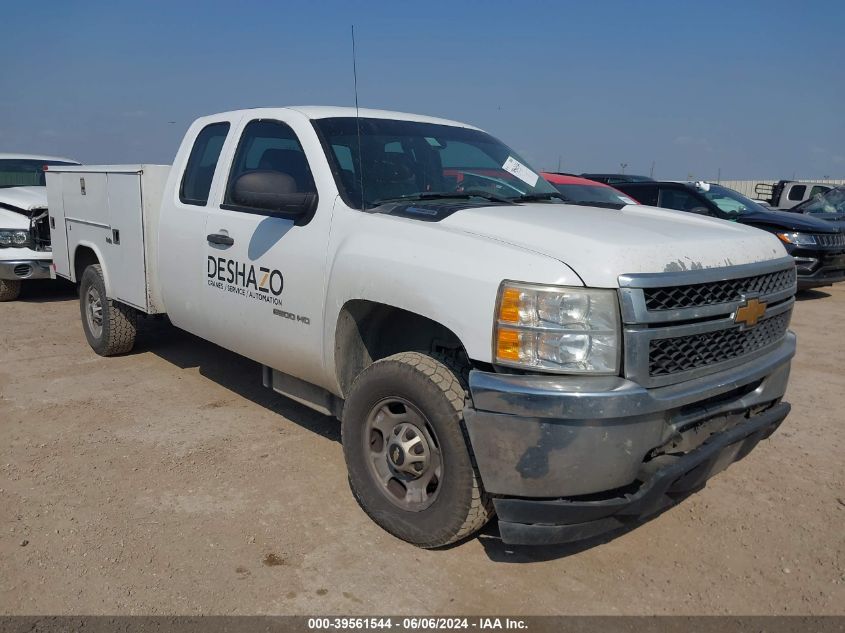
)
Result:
{"points": [[303, 392]]}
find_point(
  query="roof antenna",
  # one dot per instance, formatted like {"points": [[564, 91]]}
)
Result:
{"points": [[358, 119]]}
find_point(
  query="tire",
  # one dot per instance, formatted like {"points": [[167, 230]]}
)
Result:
{"points": [[10, 289], [117, 322], [423, 397]]}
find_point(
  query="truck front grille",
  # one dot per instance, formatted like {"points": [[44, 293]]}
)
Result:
{"points": [[713, 293], [682, 325], [669, 356]]}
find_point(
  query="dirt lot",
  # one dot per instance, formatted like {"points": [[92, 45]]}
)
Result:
{"points": [[170, 481]]}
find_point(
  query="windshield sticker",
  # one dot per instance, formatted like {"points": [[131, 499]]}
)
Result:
{"points": [[519, 170]]}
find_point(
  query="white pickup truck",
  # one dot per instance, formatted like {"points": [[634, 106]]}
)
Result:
{"points": [[24, 232], [488, 346]]}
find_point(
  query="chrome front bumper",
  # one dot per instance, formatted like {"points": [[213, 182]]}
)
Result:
{"points": [[21, 269], [562, 436]]}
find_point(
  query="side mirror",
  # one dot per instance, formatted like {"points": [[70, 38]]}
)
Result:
{"points": [[274, 192]]}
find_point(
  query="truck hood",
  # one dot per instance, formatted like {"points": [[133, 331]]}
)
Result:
{"points": [[24, 198], [787, 221], [600, 244], [18, 203], [837, 220]]}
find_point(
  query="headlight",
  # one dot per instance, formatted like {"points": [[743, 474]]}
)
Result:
{"points": [[798, 239], [564, 330], [14, 237]]}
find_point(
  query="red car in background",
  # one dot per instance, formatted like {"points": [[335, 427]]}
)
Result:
{"points": [[581, 190]]}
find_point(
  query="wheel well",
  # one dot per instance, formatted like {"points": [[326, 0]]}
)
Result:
{"points": [[82, 259], [368, 331]]}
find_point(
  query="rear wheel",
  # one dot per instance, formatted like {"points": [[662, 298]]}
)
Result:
{"points": [[109, 326], [10, 289], [410, 465]]}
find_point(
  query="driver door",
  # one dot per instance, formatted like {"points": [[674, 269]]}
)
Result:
{"points": [[266, 270]]}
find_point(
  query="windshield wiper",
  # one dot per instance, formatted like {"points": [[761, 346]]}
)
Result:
{"points": [[445, 195], [598, 203], [546, 195]]}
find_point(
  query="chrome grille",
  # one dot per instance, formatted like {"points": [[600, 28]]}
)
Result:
{"points": [[830, 239], [723, 291], [669, 356], [681, 325]]}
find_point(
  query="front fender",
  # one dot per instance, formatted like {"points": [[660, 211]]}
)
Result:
{"points": [[445, 275]]}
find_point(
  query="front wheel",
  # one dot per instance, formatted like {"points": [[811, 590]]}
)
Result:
{"points": [[410, 465], [109, 326], [10, 289]]}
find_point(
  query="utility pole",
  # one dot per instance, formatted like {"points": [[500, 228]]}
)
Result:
{"points": [[623, 166], [651, 173], [559, 160], [719, 176]]}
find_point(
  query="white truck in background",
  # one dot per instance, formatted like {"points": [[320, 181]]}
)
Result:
{"points": [[24, 232], [488, 346], [785, 194]]}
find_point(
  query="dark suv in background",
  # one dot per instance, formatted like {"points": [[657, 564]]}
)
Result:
{"points": [[818, 247]]}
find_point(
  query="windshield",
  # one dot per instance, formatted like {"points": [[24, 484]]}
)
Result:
{"points": [[17, 172], [729, 201], [408, 160], [832, 201], [593, 193]]}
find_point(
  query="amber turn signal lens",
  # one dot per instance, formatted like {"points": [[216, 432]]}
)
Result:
{"points": [[509, 306], [507, 345]]}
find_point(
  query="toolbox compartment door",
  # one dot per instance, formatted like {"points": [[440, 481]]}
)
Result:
{"points": [[124, 248], [58, 230]]}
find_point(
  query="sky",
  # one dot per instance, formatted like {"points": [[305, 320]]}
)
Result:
{"points": [[741, 90]]}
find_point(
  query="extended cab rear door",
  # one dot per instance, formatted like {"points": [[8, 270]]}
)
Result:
{"points": [[264, 290], [197, 171]]}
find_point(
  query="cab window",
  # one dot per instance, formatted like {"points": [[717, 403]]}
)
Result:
{"points": [[797, 192], [199, 172]]}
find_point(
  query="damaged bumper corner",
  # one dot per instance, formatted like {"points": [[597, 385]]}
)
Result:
{"points": [[568, 458]]}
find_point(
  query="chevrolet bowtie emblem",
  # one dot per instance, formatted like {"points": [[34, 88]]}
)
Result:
{"points": [[750, 313]]}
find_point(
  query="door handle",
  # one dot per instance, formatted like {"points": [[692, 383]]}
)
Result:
{"points": [[219, 238]]}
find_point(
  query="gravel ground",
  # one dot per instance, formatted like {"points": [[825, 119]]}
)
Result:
{"points": [[169, 481]]}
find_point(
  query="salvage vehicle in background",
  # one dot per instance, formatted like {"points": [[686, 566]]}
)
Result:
{"points": [[785, 194], [828, 206], [583, 191], [487, 346], [818, 247], [612, 179], [24, 232]]}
